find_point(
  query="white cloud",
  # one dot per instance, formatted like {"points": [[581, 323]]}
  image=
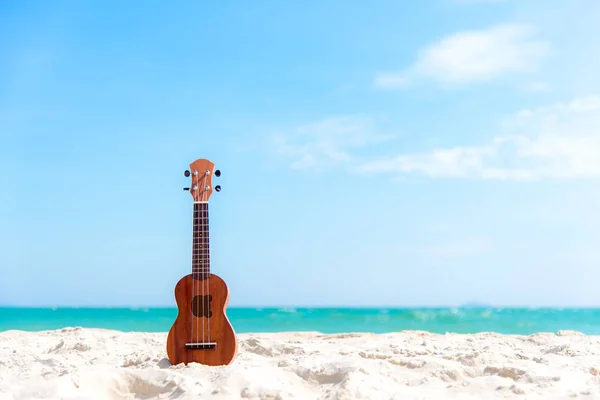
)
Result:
{"points": [[561, 141], [326, 142], [473, 56]]}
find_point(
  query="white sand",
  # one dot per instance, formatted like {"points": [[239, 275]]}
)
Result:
{"points": [[76, 363]]}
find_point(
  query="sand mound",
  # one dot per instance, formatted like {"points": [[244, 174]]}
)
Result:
{"points": [[76, 363]]}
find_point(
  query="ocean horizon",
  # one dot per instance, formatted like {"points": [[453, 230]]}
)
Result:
{"points": [[504, 320]]}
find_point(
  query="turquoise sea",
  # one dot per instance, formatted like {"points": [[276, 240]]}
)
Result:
{"points": [[326, 320]]}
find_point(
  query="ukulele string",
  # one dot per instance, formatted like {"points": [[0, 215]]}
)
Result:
{"points": [[195, 261], [201, 255], [207, 252], [202, 276], [200, 260], [193, 255]]}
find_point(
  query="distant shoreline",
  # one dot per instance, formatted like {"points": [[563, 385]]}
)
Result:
{"points": [[327, 320], [464, 306]]}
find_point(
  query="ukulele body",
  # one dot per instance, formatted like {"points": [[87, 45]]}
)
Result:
{"points": [[201, 332]]}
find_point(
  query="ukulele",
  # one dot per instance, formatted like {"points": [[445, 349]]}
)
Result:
{"points": [[201, 332]]}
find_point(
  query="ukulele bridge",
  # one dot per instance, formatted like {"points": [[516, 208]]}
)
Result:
{"points": [[201, 346]]}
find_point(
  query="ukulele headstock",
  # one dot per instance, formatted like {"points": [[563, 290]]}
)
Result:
{"points": [[201, 173]]}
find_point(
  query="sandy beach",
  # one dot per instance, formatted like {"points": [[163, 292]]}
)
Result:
{"points": [[75, 363]]}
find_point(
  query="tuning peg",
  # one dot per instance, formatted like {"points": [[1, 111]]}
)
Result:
{"points": [[218, 188], [186, 188], [186, 173], [217, 173]]}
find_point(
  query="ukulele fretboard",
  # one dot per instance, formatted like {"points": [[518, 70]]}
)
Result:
{"points": [[200, 242]]}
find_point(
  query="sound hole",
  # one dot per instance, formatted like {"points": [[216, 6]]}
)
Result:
{"points": [[201, 306]]}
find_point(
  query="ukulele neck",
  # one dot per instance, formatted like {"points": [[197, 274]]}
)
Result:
{"points": [[200, 242]]}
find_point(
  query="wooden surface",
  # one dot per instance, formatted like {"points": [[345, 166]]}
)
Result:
{"points": [[201, 180], [221, 330]]}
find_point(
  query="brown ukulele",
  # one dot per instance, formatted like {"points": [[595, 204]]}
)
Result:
{"points": [[201, 332]]}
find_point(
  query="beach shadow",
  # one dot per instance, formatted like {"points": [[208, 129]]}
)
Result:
{"points": [[164, 363]]}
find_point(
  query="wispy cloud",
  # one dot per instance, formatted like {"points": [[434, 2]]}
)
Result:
{"points": [[473, 56], [537, 87], [471, 2], [561, 141], [461, 248], [327, 142]]}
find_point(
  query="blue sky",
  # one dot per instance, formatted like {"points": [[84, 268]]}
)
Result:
{"points": [[375, 154]]}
